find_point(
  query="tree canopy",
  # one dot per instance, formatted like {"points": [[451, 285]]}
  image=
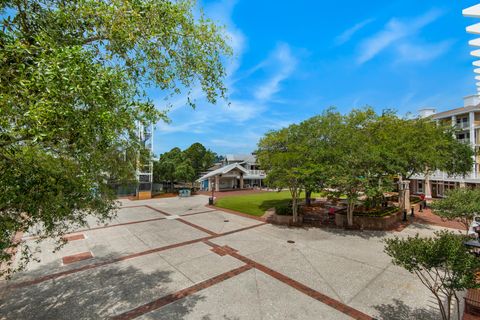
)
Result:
{"points": [[358, 154], [183, 166], [442, 263], [460, 205], [73, 87]]}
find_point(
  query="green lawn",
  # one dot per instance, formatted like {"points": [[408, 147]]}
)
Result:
{"points": [[255, 204]]}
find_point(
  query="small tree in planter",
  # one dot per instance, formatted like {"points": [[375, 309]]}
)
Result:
{"points": [[442, 263], [459, 205]]}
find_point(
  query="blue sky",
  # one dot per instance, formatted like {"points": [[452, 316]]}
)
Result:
{"points": [[294, 59]]}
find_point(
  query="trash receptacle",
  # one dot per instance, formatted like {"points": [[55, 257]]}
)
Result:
{"points": [[210, 201], [184, 193]]}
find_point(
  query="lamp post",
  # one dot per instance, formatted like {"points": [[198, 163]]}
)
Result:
{"points": [[402, 191]]}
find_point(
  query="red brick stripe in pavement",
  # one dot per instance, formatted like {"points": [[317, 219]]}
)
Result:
{"points": [[123, 223], [77, 257], [197, 227], [158, 303], [126, 257], [352, 312], [74, 237]]}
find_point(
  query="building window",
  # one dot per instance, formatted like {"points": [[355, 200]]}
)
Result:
{"points": [[420, 186]]}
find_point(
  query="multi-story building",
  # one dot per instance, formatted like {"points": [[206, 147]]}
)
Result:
{"points": [[466, 121], [234, 172], [145, 165]]}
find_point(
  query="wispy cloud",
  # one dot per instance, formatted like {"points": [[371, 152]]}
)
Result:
{"points": [[231, 122], [394, 31], [284, 63], [409, 52], [348, 34]]}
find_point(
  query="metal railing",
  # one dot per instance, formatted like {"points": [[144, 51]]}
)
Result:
{"points": [[257, 172], [439, 175]]}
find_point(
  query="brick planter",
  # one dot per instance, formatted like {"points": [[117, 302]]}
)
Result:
{"points": [[369, 223], [283, 220]]}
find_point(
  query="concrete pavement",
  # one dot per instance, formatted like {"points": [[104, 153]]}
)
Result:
{"points": [[173, 258]]}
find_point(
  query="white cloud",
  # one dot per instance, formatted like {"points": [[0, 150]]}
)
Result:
{"points": [[231, 122], [348, 34], [394, 31], [409, 52], [284, 63]]}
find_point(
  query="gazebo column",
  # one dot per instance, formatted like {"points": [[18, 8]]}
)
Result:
{"points": [[428, 187], [217, 183], [241, 180]]}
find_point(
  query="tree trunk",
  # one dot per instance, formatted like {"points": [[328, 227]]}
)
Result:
{"points": [[350, 209], [295, 210], [308, 197], [441, 307], [294, 194]]}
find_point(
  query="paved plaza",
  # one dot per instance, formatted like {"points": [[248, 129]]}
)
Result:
{"points": [[174, 258]]}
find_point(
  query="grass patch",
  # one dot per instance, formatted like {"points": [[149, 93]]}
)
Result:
{"points": [[257, 203]]}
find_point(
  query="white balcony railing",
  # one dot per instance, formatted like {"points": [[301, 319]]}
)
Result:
{"points": [[439, 175], [463, 125], [257, 172]]}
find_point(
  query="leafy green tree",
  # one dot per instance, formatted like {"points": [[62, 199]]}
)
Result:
{"points": [[420, 146], [442, 263], [459, 205], [165, 169], [318, 147], [185, 172], [358, 166], [279, 154], [73, 79], [200, 159]]}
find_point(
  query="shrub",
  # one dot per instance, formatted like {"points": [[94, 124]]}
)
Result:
{"points": [[284, 209], [415, 199]]}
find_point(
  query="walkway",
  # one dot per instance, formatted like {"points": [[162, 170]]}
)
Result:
{"points": [[176, 259]]}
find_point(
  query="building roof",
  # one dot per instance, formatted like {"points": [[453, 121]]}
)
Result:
{"points": [[453, 112], [223, 170], [250, 158]]}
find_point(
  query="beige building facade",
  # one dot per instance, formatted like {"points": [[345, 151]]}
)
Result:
{"points": [[466, 121]]}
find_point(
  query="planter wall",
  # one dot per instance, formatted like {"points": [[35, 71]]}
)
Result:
{"points": [[369, 223], [283, 220]]}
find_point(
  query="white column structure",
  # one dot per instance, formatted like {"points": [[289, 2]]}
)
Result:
{"points": [[471, 119], [217, 183], [474, 12], [428, 187]]}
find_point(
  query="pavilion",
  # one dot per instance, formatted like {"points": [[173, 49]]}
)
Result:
{"points": [[225, 178]]}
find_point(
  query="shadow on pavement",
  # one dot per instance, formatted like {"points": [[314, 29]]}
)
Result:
{"points": [[93, 294], [400, 311]]}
